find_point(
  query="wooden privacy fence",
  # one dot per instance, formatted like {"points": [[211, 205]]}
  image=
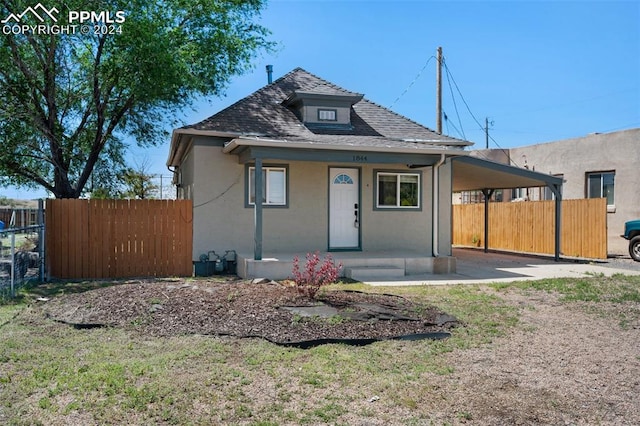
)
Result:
{"points": [[529, 227], [21, 217], [118, 238]]}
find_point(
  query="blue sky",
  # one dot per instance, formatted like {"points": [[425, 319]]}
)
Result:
{"points": [[539, 70]]}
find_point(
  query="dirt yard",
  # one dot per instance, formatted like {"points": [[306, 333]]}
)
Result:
{"points": [[564, 363]]}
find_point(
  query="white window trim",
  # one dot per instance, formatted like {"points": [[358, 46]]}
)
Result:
{"points": [[267, 169], [398, 201], [330, 112]]}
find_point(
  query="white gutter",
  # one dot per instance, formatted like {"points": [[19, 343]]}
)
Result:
{"points": [[283, 143], [435, 228]]}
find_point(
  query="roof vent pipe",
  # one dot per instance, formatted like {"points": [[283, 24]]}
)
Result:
{"points": [[269, 74]]}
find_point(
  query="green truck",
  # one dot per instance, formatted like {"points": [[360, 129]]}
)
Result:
{"points": [[632, 233]]}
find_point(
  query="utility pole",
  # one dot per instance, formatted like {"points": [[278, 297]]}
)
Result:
{"points": [[486, 132], [439, 92]]}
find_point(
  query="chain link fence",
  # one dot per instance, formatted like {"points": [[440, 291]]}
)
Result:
{"points": [[21, 257]]}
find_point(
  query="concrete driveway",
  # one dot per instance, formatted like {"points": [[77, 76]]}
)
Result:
{"points": [[477, 267]]}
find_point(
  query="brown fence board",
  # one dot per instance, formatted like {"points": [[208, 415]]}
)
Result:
{"points": [[119, 238], [529, 227]]}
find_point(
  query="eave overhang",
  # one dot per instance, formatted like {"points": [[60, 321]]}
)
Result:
{"points": [[248, 149], [300, 96], [180, 139]]}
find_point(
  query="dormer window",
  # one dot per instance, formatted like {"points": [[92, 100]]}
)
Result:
{"points": [[323, 109], [327, 115]]}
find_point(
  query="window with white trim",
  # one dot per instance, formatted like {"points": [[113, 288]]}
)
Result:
{"points": [[397, 190], [327, 115], [274, 186], [601, 185]]}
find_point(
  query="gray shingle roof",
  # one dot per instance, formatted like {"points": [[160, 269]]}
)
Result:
{"points": [[263, 113]]}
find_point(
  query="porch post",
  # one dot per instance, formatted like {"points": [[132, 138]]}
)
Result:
{"points": [[257, 211], [487, 195]]}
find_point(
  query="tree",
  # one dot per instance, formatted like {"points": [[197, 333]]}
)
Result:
{"points": [[69, 99], [138, 182]]}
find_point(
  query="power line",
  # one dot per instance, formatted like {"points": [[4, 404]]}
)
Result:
{"points": [[412, 83], [455, 105], [447, 122], [473, 116], [446, 67]]}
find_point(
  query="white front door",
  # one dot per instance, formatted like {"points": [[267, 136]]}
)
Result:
{"points": [[344, 210]]}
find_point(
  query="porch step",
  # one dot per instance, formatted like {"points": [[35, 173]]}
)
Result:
{"points": [[363, 273]]}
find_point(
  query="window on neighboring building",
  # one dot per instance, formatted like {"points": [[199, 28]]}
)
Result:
{"points": [[520, 194], [274, 186], [398, 190], [601, 185], [474, 197]]}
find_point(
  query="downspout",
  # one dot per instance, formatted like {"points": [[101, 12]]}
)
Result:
{"points": [[435, 228]]}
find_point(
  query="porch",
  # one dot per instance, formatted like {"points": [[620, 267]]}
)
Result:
{"points": [[357, 265]]}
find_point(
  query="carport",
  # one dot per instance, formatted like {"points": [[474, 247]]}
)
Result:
{"points": [[477, 174]]}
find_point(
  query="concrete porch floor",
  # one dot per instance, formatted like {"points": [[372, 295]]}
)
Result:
{"points": [[361, 266]]}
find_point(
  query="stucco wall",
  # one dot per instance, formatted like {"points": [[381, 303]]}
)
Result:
{"points": [[395, 229], [222, 222], [185, 179]]}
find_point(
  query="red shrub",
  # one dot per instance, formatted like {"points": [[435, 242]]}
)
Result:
{"points": [[309, 280]]}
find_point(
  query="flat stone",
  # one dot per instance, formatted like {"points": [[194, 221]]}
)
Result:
{"points": [[443, 319], [321, 311], [156, 307]]}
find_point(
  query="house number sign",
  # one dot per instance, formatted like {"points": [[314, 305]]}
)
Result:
{"points": [[360, 158]]}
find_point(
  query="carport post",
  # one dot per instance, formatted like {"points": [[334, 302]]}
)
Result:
{"points": [[557, 191], [487, 195]]}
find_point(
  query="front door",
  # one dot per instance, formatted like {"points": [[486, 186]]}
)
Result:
{"points": [[344, 210]]}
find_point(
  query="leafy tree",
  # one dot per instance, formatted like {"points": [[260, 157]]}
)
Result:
{"points": [[68, 101], [138, 182], [139, 185]]}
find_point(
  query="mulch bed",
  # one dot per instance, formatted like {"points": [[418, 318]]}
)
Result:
{"points": [[243, 309]]}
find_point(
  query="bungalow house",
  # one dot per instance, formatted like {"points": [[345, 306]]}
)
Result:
{"points": [[334, 172]]}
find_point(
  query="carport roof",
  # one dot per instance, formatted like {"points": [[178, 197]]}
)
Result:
{"points": [[472, 173]]}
